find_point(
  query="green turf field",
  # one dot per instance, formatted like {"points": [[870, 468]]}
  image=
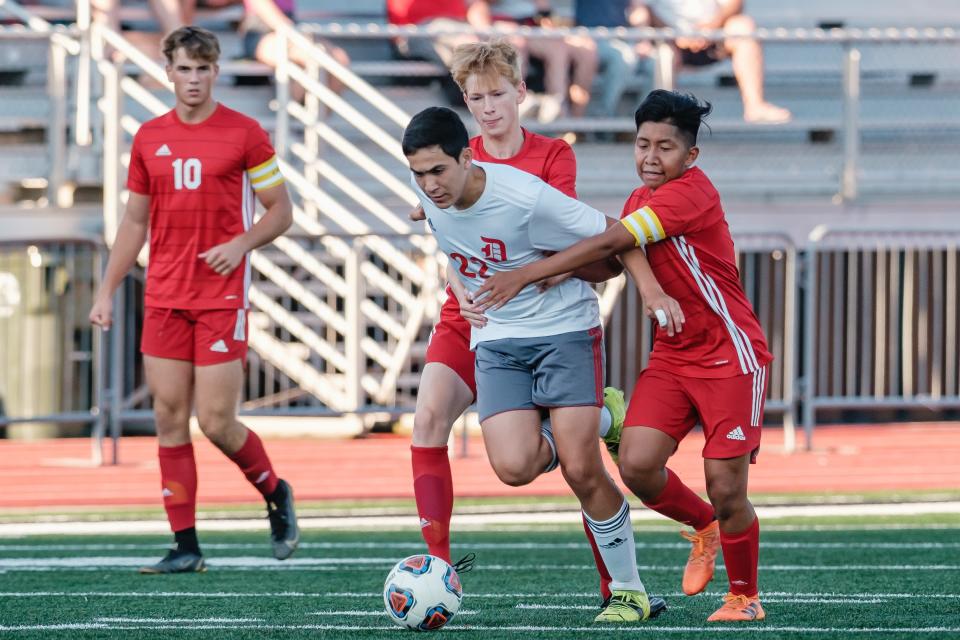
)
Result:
{"points": [[836, 579]]}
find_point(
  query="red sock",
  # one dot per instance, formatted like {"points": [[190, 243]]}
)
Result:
{"points": [[678, 502], [433, 490], [598, 560], [253, 461], [741, 555], [178, 475]]}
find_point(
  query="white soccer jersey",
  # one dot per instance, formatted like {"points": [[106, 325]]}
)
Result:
{"points": [[514, 221]]}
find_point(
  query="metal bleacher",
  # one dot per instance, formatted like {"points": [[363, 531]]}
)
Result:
{"points": [[909, 115]]}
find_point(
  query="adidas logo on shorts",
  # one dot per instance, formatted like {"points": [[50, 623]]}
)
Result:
{"points": [[736, 434], [221, 347]]}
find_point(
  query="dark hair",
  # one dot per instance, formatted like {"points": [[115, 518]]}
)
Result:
{"points": [[436, 126], [198, 43], [682, 110]]}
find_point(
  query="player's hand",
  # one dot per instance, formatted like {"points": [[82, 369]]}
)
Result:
{"points": [[225, 257], [101, 314], [666, 311], [499, 289], [473, 315], [418, 214], [549, 283]]}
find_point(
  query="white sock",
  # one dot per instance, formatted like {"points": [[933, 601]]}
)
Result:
{"points": [[606, 421], [614, 539], [546, 430]]}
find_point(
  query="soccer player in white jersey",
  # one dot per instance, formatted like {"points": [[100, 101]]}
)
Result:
{"points": [[543, 349]]}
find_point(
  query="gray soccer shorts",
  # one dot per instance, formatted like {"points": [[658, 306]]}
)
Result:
{"points": [[564, 370]]}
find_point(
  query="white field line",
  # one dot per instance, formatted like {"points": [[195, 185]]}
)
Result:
{"points": [[377, 564], [483, 546], [179, 620], [606, 630], [461, 522], [362, 614], [765, 595]]}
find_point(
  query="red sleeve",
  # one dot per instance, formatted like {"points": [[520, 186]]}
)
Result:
{"points": [[685, 205], [258, 148], [138, 180], [561, 174]]}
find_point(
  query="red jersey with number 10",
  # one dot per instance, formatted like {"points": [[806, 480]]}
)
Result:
{"points": [[201, 180], [691, 253]]}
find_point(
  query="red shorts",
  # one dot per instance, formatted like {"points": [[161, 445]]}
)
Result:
{"points": [[200, 336], [450, 343], [730, 409]]}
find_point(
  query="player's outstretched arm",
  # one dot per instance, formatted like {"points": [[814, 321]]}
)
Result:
{"points": [[499, 289], [277, 218], [657, 305], [131, 234]]}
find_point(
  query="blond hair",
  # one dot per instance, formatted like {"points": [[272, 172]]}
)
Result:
{"points": [[497, 57], [197, 43]]}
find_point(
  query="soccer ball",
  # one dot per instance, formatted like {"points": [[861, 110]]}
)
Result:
{"points": [[422, 593]]}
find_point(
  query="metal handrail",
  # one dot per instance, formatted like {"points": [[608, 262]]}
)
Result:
{"points": [[851, 35]]}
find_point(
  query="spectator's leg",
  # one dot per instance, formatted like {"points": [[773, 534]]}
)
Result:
{"points": [[169, 14], [584, 59], [747, 58], [555, 55], [268, 55], [617, 63]]}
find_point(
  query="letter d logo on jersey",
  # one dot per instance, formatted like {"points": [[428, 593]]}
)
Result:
{"points": [[494, 250]]}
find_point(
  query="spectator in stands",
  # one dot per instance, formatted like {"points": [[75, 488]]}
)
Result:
{"points": [[260, 23], [619, 62], [168, 13], [569, 63], [746, 53], [437, 15]]}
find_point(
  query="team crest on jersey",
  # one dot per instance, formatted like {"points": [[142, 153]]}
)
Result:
{"points": [[494, 250]]}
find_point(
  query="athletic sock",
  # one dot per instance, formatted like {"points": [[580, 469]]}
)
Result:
{"points": [[598, 560], [187, 540], [546, 430], [178, 477], [741, 555], [614, 539], [679, 502], [606, 421], [433, 490], [253, 461]]}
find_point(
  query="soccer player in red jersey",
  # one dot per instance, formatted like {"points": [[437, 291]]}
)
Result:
{"points": [[194, 174], [493, 88], [713, 372]]}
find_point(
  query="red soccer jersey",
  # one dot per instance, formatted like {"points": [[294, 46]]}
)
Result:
{"points": [[549, 159], [201, 180], [691, 253], [417, 11]]}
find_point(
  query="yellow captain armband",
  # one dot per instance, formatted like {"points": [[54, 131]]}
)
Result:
{"points": [[644, 225], [265, 175]]}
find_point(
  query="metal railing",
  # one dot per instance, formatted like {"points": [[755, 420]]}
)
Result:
{"points": [[881, 312], [61, 45], [355, 280], [51, 359], [849, 43]]}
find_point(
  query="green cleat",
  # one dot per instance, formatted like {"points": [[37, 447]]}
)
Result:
{"points": [[617, 406], [627, 606]]}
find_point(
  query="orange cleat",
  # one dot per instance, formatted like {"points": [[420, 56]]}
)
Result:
{"points": [[738, 608], [703, 558]]}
